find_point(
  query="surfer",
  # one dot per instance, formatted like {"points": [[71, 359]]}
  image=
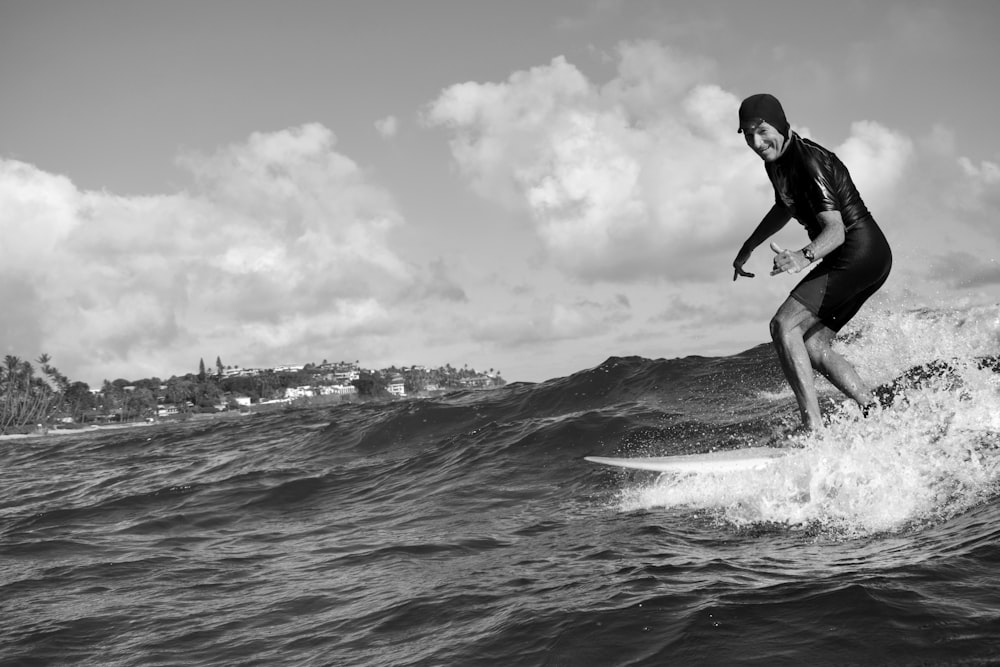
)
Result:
{"points": [[851, 254]]}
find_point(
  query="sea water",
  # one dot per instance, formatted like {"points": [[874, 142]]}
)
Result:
{"points": [[467, 529]]}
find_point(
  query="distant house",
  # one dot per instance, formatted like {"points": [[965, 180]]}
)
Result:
{"points": [[166, 410], [397, 386], [299, 392], [346, 376], [477, 382], [338, 389]]}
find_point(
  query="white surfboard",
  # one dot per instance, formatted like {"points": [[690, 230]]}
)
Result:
{"points": [[750, 458]]}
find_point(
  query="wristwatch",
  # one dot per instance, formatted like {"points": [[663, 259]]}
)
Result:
{"points": [[808, 253]]}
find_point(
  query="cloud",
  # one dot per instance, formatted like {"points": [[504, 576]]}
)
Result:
{"points": [[979, 192], [282, 242], [877, 159], [642, 178], [387, 127], [949, 188], [550, 319], [937, 207], [39, 212], [622, 182], [436, 282]]}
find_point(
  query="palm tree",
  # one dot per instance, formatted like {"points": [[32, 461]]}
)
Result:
{"points": [[27, 399], [58, 382], [12, 363], [11, 388]]}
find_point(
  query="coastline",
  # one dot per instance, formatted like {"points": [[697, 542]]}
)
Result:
{"points": [[264, 408], [74, 431], [94, 428]]}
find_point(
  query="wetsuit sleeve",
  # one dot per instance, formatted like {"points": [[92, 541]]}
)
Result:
{"points": [[776, 180]]}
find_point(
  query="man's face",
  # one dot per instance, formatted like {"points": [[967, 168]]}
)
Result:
{"points": [[765, 141]]}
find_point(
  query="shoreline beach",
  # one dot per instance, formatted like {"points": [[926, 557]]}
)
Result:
{"points": [[94, 428]]}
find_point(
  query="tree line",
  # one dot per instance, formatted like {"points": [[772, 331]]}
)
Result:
{"points": [[31, 396], [27, 397]]}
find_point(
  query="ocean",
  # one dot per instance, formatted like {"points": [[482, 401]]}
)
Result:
{"points": [[468, 530]]}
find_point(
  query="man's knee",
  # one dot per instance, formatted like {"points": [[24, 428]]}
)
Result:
{"points": [[781, 328]]}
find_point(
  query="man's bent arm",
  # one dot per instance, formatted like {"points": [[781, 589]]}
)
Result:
{"points": [[832, 236], [773, 221]]}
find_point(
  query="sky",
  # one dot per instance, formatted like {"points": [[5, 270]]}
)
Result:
{"points": [[524, 187]]}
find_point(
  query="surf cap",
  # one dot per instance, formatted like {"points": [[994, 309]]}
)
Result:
{"points": [[763, 107]]}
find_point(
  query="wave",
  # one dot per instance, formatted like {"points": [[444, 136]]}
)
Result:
{"points": [[468, 528], [934, 455]]}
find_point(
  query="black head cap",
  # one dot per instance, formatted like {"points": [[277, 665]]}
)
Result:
{"points": [[763, 107]]}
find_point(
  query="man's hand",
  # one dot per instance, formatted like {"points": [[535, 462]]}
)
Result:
{"points": [[738, 263], [791, 261]]}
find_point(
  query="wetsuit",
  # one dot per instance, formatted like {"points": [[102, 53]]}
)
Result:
{"points": [[808, 180]]}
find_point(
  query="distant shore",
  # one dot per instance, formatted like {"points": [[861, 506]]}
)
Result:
{"points": [[45, 433], [256, 409], [95, 428]]}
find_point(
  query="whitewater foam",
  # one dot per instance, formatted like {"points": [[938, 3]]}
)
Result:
{"points": [[932, 456], [882, 344]]}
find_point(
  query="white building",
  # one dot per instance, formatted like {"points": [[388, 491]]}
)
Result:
{"points": [[166, 410], [338, 389], [299, 392], [346, 376], [397, 387]]}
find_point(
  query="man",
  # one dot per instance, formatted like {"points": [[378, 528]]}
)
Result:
{"points": [[813, 186]]}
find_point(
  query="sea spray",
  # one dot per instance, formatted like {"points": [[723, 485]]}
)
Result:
{"points": [[883, 344], [934, 455]]}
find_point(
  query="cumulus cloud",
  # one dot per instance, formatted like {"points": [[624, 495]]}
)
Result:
{"points": [[281, 238], [624, 181], [877, 158], [30, 196]]}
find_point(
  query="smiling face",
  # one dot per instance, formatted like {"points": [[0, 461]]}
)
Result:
{"points": [[765, 141]]}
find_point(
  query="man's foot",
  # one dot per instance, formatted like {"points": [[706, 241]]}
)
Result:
{"points": [[880, 400], [809, 425]]}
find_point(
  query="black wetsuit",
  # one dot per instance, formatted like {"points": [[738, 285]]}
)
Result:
{"points": [[808, 180]]}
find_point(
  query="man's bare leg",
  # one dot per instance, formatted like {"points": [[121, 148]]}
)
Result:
{"points": [[788, 329], [835, 367]]}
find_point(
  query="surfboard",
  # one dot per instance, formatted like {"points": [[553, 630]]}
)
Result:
{"points": [[732, 460]]}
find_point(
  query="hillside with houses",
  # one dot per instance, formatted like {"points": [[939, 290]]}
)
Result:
{"points": [[30, 400], [227, 388]]}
